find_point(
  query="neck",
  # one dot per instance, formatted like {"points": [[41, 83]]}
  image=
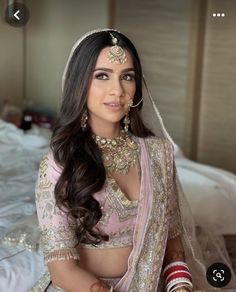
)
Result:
{"points": [[106, 132]]}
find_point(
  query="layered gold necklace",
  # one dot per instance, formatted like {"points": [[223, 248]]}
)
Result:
{"points": [[118, 154]]}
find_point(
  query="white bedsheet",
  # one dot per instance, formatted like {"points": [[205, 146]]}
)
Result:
{"points": [[19, 158], [211, 194]]}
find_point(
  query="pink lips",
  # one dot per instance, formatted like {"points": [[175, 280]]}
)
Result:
{"points": [[113, 105]]}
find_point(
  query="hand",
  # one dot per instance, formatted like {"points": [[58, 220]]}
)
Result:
{"points": [[183, 289], [100, 287]]}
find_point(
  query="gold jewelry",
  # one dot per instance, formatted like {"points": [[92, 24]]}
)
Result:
{"points": [[130, 103], [126, 122], [119, 154], [141, 99], [116, 53], [83, 120], [127, 119]]}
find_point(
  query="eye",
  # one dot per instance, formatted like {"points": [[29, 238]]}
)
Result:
{"points": [[101, 76], [128, 77]]}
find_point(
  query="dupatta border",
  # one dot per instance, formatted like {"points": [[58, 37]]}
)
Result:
{"points": [[150, 236]]}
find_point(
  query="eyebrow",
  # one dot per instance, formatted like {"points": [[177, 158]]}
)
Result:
{"points": [[110, 70]]}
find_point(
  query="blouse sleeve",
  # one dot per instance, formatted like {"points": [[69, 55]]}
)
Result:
{"points": [[175, 225], [57, 229]]}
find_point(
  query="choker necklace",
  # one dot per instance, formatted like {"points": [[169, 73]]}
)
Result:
{"points": [[119, 153]]}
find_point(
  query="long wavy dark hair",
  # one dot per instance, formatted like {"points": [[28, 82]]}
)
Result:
{"points": [[73, 149]]}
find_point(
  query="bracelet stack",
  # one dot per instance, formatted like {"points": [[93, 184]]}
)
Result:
{"points": [[177, 276]]}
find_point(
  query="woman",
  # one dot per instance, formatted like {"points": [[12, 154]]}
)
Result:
{"points": [[107, 195]]}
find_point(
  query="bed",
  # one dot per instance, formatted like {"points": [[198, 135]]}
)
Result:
{"points": [[19, 158], [20, 154]]}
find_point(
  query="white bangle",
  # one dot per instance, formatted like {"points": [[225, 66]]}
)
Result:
{"points": [[176, 272], [172, 283], [111, 289], [173, 264]]}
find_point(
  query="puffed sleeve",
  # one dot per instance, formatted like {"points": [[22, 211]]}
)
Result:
{"points": [[57, 229], [175, 226]]}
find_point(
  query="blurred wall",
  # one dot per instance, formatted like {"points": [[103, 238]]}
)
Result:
{"points": [[189, 60], [32, 58], [217, 122], [54, 27], [160, 30], [11, 60]]}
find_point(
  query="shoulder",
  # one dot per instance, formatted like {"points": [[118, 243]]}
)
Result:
{"points": [[161, 143], [49, 168], [160, 149]]}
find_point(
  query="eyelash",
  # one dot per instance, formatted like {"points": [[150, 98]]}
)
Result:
{"points": [[99, 76]]}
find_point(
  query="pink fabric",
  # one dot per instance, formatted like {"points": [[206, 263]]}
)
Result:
{"points": [[51, 173], [145, 202], [113, 225], [120, 230], [153, 219]]}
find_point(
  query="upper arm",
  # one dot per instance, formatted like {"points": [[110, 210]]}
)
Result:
{"points": [[57, 229]]}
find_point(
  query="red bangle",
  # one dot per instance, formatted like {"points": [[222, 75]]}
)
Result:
{"points": [[175, 268], [178, 275]]}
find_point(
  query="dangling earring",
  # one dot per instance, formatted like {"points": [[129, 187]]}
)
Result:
{"points": [[127, 119], [83, 120], [126, 122]]}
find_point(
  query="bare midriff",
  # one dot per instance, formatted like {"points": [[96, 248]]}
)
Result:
{"points": [[105, 263], [112, 262]]}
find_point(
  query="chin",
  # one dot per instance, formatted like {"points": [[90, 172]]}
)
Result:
{"points": [[114, 119]]}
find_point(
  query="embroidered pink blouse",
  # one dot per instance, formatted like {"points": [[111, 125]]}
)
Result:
{"points": [[58, 239], [58, 231]]}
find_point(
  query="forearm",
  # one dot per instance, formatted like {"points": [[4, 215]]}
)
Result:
{"points": [[174, 251], [72, 278]]}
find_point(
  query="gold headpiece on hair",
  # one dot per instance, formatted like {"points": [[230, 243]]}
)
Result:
{"points": [[116, 53]]}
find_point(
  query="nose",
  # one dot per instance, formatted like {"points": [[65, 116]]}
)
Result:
{"points": [[116, 88]]}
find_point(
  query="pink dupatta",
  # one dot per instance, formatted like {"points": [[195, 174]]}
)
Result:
{"points": [[151, 229]]}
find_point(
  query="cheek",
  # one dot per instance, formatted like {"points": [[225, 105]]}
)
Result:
{"points": [[95, 94], [97, 90], [128, 86], [132, 87], [131, 90]]}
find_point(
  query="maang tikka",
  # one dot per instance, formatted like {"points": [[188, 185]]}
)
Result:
{"points": [[116, 53]]}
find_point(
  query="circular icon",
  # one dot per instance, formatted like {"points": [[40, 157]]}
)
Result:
{"points": [[17, 14], [218, 275]]}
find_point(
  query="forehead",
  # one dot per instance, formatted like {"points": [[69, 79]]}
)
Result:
{"points": [[103, 61]]}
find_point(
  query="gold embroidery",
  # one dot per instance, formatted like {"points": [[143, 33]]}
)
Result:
{"points": [[116, 239], [62, 237], [26, 236], [157, 228], [63, 254], [115, 201], [57, 228], [121, 197], [43, 165], [156, 234], [175, 227]]}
